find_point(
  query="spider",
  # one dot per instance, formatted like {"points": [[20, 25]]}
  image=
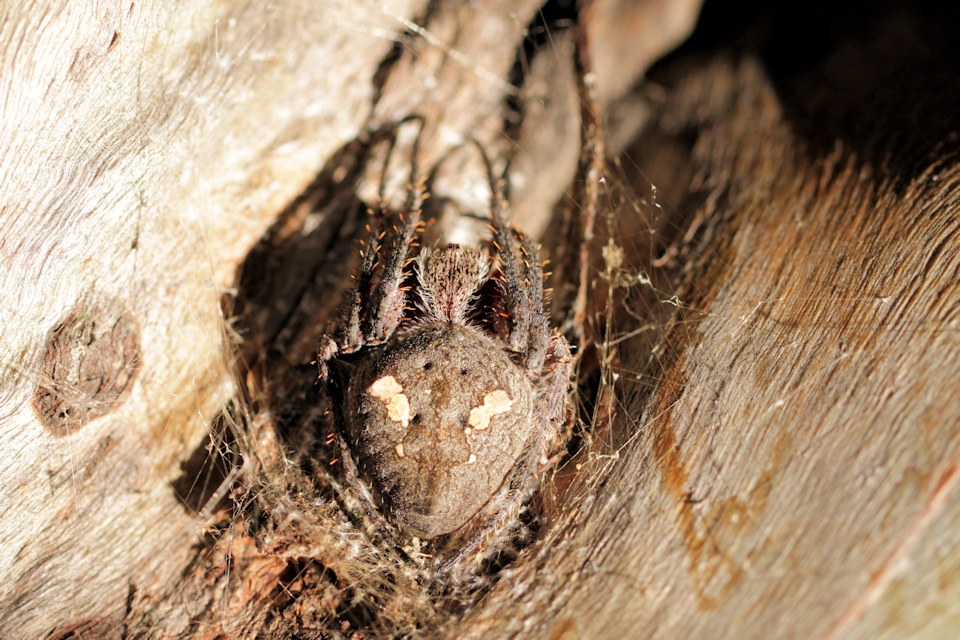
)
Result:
{"points": [[450, 389]]}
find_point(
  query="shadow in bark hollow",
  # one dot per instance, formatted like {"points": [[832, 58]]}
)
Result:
{"points": [[206, 469], [290, 285], [880, 77], [549, 22]]}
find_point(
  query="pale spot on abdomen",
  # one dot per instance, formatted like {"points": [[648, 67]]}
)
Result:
{"points": [[494, 403], [391, 392]]}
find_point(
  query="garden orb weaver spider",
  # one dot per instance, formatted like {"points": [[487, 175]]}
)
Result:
{"points": [[450, 389]]}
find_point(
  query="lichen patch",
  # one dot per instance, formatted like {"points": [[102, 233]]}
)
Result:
{"points": [[391, 392], [494, 403]]}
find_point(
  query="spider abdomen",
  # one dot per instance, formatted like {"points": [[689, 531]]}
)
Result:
{"points": [[436, 420]]}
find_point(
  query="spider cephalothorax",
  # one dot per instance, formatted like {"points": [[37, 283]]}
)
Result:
{"points": [[450, 387]]}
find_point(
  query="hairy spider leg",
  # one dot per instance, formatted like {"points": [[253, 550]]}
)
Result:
{"points": [[518, 304], [539, 328], [388, 299], [352, 335], [354, 329]]}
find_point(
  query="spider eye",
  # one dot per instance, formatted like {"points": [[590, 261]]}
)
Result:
{"points": [[463, 372], [427, 366]]}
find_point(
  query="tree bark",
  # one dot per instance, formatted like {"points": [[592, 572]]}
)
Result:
{"points": [[772, 435]]}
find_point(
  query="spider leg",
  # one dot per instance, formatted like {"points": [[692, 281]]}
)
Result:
{"points": [[551, 414], [558, 373], [388, 299], [366, 504], [518, 303], [351, 337], [592, 160], [539, 327], [358, 324], [348, 336]]}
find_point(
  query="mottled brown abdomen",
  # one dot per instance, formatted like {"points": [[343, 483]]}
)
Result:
{"points": [[436, 423]]}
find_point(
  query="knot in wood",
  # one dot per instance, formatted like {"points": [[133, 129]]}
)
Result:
{"points": [[91, 359]]}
